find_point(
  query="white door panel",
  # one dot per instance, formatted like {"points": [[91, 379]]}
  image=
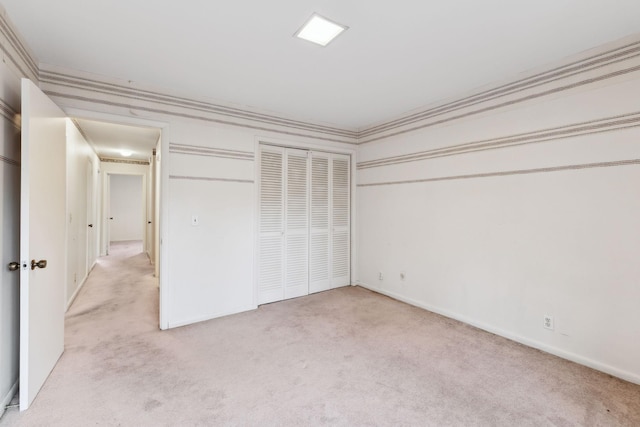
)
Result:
{"points": [[319, 273], [304, 222], [296, 224], [271, 225], [340, 212], [42, 237]]}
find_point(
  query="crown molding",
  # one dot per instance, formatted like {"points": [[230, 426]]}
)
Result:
{"points": [[615, 60], [72, 86], [599, 65], [16, 50]]}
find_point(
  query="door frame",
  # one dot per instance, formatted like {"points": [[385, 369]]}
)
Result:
{"points": [[332, 148], [163, 214]]}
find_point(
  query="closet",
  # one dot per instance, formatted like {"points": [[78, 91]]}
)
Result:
{"points": [[304, 222]]}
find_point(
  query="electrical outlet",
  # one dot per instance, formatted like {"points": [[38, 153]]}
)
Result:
{"points": [[547, 321], [380, 276]]}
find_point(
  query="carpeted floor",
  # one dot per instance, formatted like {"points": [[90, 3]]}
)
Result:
{"points": [[346, 357]]}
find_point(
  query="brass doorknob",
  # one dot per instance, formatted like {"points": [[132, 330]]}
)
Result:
{"points": [[13, 266], [40, 264]]}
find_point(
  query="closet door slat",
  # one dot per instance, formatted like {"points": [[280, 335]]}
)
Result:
{"points": [[319, 272], [297, 224], [271, 225], [340, 218]]}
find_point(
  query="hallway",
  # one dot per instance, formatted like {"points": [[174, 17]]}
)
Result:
{"points": [[104, 330]]}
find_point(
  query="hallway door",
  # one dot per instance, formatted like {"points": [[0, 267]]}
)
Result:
{"points": [[42, 239]]}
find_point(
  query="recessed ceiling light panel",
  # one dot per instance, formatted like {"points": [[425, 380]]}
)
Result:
{"points": [[320, 30]]}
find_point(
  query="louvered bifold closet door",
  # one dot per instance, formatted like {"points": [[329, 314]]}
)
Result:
{"points": [[319, 271], [271, 224], [340, 224], [297, 224]]}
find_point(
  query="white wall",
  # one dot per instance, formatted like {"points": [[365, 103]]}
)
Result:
{"points": [[535, 216], [126, 207], [9, 230], [79, 236]]}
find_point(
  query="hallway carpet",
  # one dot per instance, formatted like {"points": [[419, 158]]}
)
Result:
{"points": [[346, 357]]}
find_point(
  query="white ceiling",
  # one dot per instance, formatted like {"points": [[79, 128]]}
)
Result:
{"points": [[110, 139], [396, 56]]}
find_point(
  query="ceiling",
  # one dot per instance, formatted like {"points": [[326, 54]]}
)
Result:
{"points": [[396, 56], [109, 140]]}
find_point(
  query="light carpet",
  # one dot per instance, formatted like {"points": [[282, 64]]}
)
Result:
{"points": [[346, 357]]}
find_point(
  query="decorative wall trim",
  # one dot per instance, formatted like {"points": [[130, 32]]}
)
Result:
{"points": [[507, 173], [430, 117], [188, 108], [608, 124], [204, 178], [16, 50], [196, 150], [123, 161], [9, 113], [67, 84], [621, 60], [9, 161]]}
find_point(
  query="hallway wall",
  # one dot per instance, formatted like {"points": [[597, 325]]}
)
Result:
{"points": [[79, 153]]}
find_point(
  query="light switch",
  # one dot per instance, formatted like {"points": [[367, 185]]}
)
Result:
{"points": [[194, 220]]}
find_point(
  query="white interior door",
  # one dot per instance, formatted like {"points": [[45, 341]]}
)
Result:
{"points": [[296, 224], [42, 237], [271, 225], [340, 221], [319, 272]]}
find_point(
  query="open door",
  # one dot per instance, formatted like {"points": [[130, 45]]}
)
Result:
{"points": [[42, 239]]}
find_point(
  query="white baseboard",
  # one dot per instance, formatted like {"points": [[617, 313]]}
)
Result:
{"points": [[180, 323], [77, 291], [7, 399], [611, 370]]}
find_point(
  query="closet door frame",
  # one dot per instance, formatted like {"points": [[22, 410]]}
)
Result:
{"points": [[329, 148]]}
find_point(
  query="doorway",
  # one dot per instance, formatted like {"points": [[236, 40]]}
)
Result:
{"points": [[127, 203]]}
